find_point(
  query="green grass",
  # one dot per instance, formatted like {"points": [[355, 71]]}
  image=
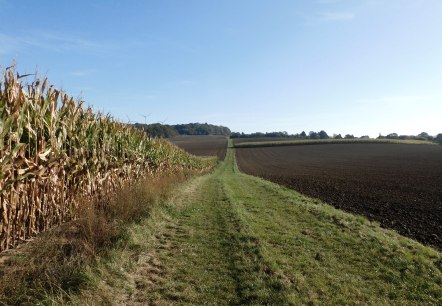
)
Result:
{"points": [[327, 256], [229, 238], [327, 141]]}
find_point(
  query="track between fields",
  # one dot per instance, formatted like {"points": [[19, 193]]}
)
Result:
{"points": [[228, 238], [203, 253]]}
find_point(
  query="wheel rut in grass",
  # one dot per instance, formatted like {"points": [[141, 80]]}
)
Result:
{"points": [[203, 253], [153, 263]]}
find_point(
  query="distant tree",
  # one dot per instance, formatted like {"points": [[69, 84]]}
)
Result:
{"points": [[303, 134], [349, 136], [323, 135], [364, 137], [235, 135], [337, 136], [201, 129], [313, 135], [163, 130], [438, 138], [282, 134], [424, 136], [392, 136], [156, 130], [258, 135]]}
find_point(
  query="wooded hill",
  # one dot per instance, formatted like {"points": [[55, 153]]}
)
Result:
{"points": [[165, 131]]}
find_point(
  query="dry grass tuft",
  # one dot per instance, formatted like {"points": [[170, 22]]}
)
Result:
{"points": [[54, 265]]}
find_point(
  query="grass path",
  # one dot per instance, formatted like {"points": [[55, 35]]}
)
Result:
{"points": [[231, 239], [201, 253]]}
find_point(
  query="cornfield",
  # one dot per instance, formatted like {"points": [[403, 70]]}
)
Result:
{"points": [[54, 152]]}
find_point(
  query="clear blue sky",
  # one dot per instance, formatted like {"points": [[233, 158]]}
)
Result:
{"points": [[359, 67]]}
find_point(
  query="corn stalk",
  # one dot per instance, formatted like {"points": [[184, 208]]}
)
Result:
{"points": [[54, 152]]}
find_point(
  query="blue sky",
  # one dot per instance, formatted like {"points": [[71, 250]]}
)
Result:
{"points": [[359, 67]]}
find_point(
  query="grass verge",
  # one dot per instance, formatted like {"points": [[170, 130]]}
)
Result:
{"points": [[327, 256], [56, 265]]}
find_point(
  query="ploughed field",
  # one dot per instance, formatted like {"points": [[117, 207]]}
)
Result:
{"points": [[202, 145], [398, 185]]}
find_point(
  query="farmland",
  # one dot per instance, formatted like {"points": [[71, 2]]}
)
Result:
{"points": [[54, 153], [202, 145], [397, 185], [221, 153], [227, 238], [118, 218]]}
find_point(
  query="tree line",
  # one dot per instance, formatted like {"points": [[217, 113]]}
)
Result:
{"points": [[165, 130], [421, 136], [303, 135], [323, 135]]}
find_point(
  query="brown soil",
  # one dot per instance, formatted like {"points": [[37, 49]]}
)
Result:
{"points": [[398, 185], [202, 145]]}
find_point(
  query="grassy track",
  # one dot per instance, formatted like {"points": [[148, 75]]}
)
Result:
{"points": [[228, 238]]}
